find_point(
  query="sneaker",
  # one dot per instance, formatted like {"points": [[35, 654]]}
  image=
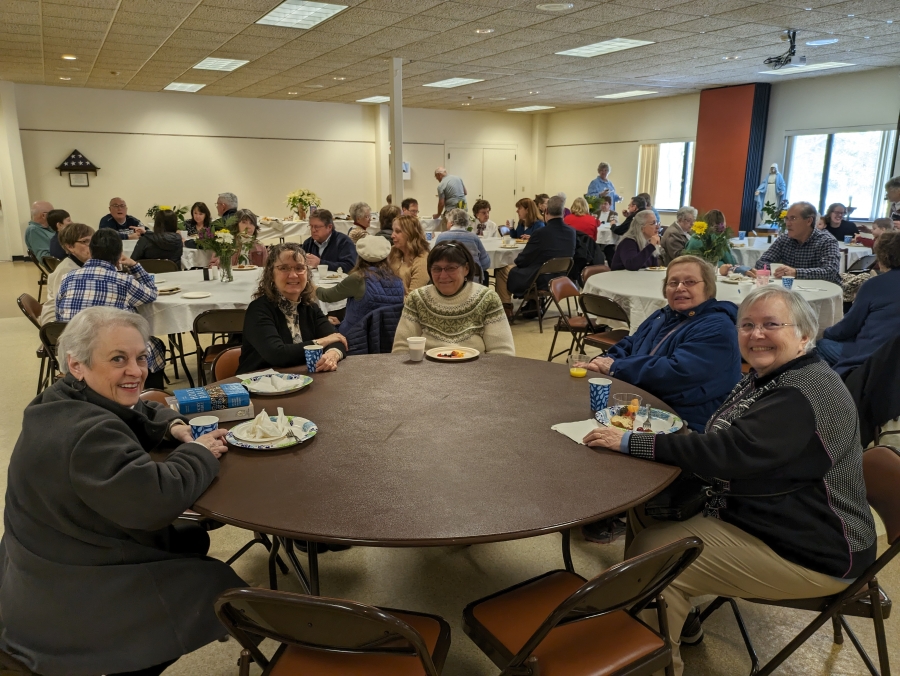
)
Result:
{"points": [[604, 531], [692, 632]]}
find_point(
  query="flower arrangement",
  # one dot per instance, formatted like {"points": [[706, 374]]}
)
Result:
{"points": [[223, 243], [774, 215], [179, 212], [714, 241], [301, 201], [595, 203]]}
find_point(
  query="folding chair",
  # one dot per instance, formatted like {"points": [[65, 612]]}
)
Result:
{"points": [[577, 325], [221, 325], [50, 263], [42, 280], [864, 597], [152, 394], [226, 364], [49, 335], [32, 309], [602, 336], [863, 264], [10, 666], [331, 636], [159, 266], [591, 270], [555, 266], [561, 623]]}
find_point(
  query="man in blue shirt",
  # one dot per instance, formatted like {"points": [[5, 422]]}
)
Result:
{"points": [[451, 192], [603, 186], [119, 220], [327, 246], [38, 233]]}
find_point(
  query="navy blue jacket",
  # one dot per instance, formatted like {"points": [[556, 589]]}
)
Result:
{"points": [[520, 230], [125, 229], [339, 253], [694, 368], [555, 240], [380, 293], [873, 320]]}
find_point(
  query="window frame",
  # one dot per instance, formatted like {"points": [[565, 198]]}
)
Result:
{"points": [[687, 181]]}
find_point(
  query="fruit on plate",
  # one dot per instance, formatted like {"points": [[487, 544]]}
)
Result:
{"points": [[452, 354]]}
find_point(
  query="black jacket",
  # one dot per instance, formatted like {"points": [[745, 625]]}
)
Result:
{"points": [[167, 245], [622, 227], [125, 229], [340, 252], [874, 389], [267, 338], [555, 240]]}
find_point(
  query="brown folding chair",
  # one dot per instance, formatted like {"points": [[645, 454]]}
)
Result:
{"points": [[50, 263], [591, 270], [49, 335], [10, 666], [332, 636], [564, 288], [158, 266], [42, 280], [559, 621], [32, 309], [864, 597], [601, 335], [226, 364], [152, 394], [555, 266], [221, 325]]}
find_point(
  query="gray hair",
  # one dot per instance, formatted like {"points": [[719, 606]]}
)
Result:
{"points": [[684, 212], [457, 218], [80, 335], [640, 219], [440, 171], [892, 183], [358, 210], [555, 206], [803, 317], [807, 210], [602, 166], [230, 199]]}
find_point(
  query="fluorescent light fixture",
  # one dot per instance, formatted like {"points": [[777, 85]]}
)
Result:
{"points": [[625, 95], [300, 14], [556, 6], [374, 99], [820, 43], [788, 70], [220, 64], [184, 87], [69, 57], [605, 47], [528, 109], [452, 82]]}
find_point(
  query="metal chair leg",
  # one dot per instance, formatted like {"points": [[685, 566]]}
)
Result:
{"points": [[567, 549], [273, 555], [295, 564], [836, 625]]}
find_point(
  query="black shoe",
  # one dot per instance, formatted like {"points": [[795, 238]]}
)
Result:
{"points": [[604, 531], [692, 632]]}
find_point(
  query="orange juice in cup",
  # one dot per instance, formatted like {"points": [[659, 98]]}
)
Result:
{"points": [[578, 371]]}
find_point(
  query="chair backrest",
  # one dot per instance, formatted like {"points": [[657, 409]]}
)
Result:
{"points": [[601, 306], [591, 270], [562, 288], [226, 363], [220, 321], [556, 265], [9, 665], [317, 623], [159, 396], [39, 264], [50, 333], [881, 468], [863, 264], [50, 262], [632, 584], [31, 308], [156, 266]]}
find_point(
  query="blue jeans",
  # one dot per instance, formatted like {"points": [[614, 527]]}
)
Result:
{"points": [[830, 350]]}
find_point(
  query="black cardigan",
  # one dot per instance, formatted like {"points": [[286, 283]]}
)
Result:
{"points": [[267, 339]]}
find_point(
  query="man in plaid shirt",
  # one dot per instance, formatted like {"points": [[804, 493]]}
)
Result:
{"points": [[101, 282], [804, 251]]}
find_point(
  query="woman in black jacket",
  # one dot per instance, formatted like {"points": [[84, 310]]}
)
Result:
{"points": [[164, 242], [285, 317]]}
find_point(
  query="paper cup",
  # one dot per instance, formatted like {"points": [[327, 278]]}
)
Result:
{"points": [[742, 235], [323, 270], [313, 354], [787, 282], [599, 393], [203, 425], [773, 267], [848, 239], [416, 348]]}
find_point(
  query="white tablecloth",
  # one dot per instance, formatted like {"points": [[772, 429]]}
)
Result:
{"points": [[605, 235], [640, 294], [298, 231], [755, 246]]}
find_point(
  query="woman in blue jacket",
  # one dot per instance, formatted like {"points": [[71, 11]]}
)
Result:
{"points": [[687, 353]]}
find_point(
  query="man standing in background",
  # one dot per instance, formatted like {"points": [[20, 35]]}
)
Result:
{"points": [[451, 192], [602, 186]]}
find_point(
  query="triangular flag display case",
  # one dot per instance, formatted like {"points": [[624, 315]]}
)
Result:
{"points": [[77, 162]]}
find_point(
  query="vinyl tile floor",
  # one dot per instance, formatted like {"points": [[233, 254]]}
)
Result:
{"points": [[443, 580]]}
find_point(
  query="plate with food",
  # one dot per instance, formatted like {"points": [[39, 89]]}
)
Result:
{"points": [[269, 432], [522, 240], [243, 268], [452, 353], [276, 384], [167, 290], [509, 246], [656, 268], [733, 279], [657, 421]]}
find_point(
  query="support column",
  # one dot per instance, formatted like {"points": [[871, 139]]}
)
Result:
{"points": [[13, 187], [396, 130], [538, 153]]}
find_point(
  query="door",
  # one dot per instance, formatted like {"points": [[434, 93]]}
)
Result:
{"points": [[499, 179], [467, 163]]}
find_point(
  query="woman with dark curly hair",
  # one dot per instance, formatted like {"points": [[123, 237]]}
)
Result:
{"points": [[284, 317]]}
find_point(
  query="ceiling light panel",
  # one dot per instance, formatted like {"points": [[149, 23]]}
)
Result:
{"points": [[300, 14], [184, 87], [452, 82], [789, 70], [220, 64], [374, 99], [605, 47], [529, 109], [625, 95]]}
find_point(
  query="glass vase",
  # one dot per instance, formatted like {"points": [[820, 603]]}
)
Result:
{"points": [[225, 274]]}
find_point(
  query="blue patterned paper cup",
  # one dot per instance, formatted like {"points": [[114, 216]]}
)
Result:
{"points": [[203, 425], [599, 393], [787, 282], [742, 235], [848, 239], [313, 354]]}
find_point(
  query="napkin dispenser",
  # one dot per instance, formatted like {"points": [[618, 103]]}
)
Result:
{"points": [[211, 398], [224, 415]]}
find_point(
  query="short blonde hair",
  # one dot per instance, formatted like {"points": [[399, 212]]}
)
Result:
{"points": [[580, 206], [707, 273]]}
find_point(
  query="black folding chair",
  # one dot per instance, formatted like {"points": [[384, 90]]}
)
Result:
{"points": [[601, 335], [42, 280], [541, 297]]}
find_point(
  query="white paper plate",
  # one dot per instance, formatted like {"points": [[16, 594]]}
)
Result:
{"points": [[158, 281], [661, 422], [469, 353], [303, 428], [298, 380], [243, 268], [196, 294]]}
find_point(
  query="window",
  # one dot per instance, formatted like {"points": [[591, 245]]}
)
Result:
{"points": [[846, 167], [673, 181]]}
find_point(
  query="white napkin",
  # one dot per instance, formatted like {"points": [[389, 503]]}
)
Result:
{"points": [[266, 372], [576, 431], [263, 429], [273, 383]]}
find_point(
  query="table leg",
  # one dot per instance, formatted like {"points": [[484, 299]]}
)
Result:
{"points": [[295, 563], [273, 555], [312, 553], [567, 550]]}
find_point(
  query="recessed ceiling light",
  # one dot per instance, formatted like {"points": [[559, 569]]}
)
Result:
{"points": [[556, 7], [867, 37], [731, 58], [69, 57], [292, 93], [534, 92], [452, 82], [184, 87], [339, 79], [300, 14], [850, 16], [802, 69], [820, 43], [65, 78], [312, 86], [528, 109], [808, 9], [220, 64], [465, 104], [484, 31], [605, 47], [374, 99], [625, 95], [889, 21]]}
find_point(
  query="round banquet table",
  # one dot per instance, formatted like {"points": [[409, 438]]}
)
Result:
{"points": [[640, 294], [748, 251], [433, 458]]}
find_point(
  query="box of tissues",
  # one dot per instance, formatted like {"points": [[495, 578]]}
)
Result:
{"points": [[211, 398]]}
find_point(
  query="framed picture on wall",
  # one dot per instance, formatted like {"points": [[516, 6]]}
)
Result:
{"points": [[78, 180]]}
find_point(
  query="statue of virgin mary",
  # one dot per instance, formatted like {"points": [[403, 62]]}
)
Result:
{"points": [[772, 189]]}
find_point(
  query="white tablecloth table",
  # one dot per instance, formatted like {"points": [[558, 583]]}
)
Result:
{"points": [[640, 294], [298, 231], [605, 235], [755, 246], [190, 258]]}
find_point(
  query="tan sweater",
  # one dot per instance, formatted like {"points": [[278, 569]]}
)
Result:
{"points": [[414, 274]]}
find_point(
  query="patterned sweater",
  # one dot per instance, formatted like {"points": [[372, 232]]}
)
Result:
{"points": [[474, 317]]}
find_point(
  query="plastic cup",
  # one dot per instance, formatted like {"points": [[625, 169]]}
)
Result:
{"points": [[578, 371], [599, 393], [762, 278], [626, 403], [416, 348], [203, 425], [323, 270], [787, 282], [313, 355]]}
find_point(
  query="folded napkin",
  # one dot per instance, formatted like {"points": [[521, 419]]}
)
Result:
{"points": [[576, 431], [264, 429], [266, 372], [273, 383]]}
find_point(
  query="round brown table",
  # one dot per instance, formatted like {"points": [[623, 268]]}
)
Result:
{"points": [[430, 453]]}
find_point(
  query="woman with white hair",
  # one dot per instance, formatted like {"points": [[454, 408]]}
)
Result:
{"points": [[639, 247], [94, 576], [787, 515], [361, 214]]}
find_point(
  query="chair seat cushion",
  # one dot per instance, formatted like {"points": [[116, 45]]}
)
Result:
{"points": [[595, 647], [606, 338], [297, 661], [861, 607], [210, 354], [575, 323]]}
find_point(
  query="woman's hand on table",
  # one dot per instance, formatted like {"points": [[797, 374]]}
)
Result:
{"points": [[332, 338], [600, 365], [605, 437], [214, 441], [328, 361]]}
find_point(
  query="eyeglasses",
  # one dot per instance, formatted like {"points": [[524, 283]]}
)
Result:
{"points": [[316, 228], [288, 269], [118, 205], [450, 270], [688, 283], [84, 240], [766, 327]]}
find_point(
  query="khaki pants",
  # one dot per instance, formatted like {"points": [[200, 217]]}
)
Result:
{"points": [[733, 563], [501, 275]]}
